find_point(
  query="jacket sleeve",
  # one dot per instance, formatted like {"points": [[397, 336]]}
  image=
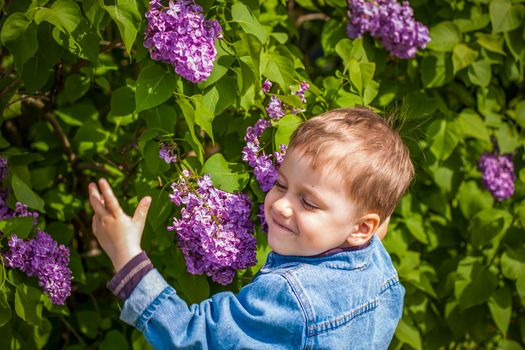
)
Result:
{"points": [[265, 314]]}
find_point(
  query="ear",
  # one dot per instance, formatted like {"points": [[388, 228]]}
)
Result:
{"points": [[363, 230]]}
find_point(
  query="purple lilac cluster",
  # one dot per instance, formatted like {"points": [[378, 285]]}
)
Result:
{"points": [[45, 258], [391, 22], [179, 35], [168, 153], [264, 166], [276, 108], [215, 232], [498, 174]]}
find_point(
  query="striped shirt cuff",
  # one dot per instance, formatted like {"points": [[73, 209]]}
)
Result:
{"points": [[128, 277]]}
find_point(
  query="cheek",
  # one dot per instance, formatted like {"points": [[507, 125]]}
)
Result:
{"points": [[268, 200]]}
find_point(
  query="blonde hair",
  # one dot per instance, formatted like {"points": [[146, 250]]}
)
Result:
{"points": [[364, 150]]}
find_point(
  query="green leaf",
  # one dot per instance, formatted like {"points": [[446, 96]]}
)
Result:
{"points": [[407, 333], [443, 136], [19, 36], [88, 322], [436, 70], [513, 262], [122, 101], [27, 305], [516, 43], [154, 86], [194, 287], [500, 306], [152, 160], [505, 16], [333, 31], [285, 127], [248, 50], [189, 115], [471, 124], [488, 224], [128, 18], [508, 138], [414, 223], [204, 114], [62, 205], [477, 20], [163, 117], [480, 73], [160, 209], [463, 56], [361, 76], [472, 199], [26, 195], [90, 138], [243, 15], [226, 88], [444, 36], [76, 86], [490, 42], [71, 29], [5, 309], [278, 66], [474, 283], [21, 226], [114, 340], [35, 73], [229, 177]]}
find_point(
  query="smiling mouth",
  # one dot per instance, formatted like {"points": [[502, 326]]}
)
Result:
{"points": [[281, 226]]}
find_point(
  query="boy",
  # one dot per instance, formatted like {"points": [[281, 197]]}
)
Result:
{"points": [[328, 284]]}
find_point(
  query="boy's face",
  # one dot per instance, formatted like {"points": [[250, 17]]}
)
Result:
{"points": [[307, 210]]}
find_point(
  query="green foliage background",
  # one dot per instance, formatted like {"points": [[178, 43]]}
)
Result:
{"points": [[81, 99]]}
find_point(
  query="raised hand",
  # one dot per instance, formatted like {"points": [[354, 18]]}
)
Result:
{"points": [[117, 233]]}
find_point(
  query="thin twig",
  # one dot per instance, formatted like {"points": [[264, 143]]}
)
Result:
{"points": [[72, 330], [62, 137], [310, 17]]}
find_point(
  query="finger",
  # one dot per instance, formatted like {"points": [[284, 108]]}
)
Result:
{"points": [[111, 201], [142, 210], [95, 200]]}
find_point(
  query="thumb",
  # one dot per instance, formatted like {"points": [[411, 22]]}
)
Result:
{"points": [[142, 210]]}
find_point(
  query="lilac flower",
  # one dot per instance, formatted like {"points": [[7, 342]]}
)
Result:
{"points": [[44, 258], [266, 86], [214, 230], [20, 208], [498, 174], [180, 35], [275, 108], [3, 168], [303, 86], [168, 153], [391, 22], [264, 166]]}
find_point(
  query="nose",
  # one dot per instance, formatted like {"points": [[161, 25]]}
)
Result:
{"points": [[283, 207]]}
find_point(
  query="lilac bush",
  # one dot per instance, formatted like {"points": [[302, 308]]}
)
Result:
{"points": [[214, 230], [497, 174], [391, 22], [44, 258], [181, 36]]}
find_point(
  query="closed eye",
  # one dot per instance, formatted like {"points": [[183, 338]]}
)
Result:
{"points": [[280, 186], [307, 205]]}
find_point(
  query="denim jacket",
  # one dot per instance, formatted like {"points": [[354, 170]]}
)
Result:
{"points": [[348, 300]]}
